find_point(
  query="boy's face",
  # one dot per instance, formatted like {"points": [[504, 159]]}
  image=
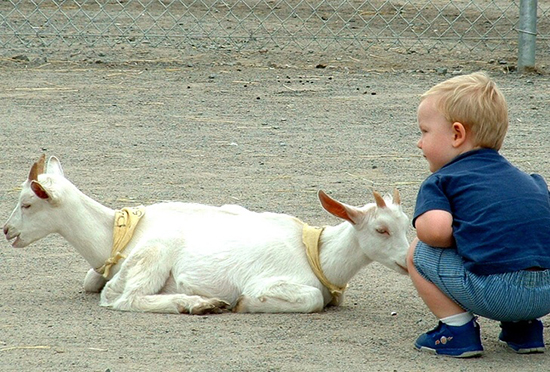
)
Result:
{"points": [[437, 135]]}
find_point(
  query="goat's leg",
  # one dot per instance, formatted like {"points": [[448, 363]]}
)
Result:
{"points": [[113, 289], [163, 303], [281, 297], [137, 285], [171, 304]]}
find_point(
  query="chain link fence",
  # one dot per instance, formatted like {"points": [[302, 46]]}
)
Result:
{"points": [[412, 25]]}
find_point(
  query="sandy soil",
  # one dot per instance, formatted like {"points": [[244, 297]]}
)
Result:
{"points": [[249, 130]]}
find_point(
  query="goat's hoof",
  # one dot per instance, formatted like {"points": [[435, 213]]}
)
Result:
{"points": [[240, 307], [94, 281], [211, 306]]}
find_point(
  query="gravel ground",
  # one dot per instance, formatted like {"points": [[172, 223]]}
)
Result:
{"points": [[252, 131]]}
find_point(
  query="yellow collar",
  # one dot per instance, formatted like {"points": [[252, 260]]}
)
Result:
{"points": [[311, 237], [126, 220]]}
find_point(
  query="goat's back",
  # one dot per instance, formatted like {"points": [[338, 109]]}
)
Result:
{"points": [[228, 236]]}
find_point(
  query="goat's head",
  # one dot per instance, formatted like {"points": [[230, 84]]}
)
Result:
{"points": [[381, 228], [33, 216]]}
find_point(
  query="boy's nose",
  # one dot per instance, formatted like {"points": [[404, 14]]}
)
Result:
{"points": [[419, 144]]}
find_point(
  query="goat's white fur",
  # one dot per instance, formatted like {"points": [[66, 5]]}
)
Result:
{"points": [[196, 259]]}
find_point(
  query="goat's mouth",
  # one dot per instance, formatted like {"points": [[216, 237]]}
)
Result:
{"points": [[404, 268], [14, 240]]}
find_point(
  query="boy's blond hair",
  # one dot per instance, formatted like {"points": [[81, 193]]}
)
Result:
{"points": [[475, 101]]}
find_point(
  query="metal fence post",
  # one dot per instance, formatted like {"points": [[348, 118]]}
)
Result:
{"points": [[527, 35]]}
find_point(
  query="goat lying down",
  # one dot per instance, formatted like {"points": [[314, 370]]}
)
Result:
{"points": [[198, 259]]}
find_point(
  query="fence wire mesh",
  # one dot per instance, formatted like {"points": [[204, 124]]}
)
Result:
{"points": [[256, 24]]}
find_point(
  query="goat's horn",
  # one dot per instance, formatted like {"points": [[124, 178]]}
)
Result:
{"points": [[41, 163], [379, 200], [37, 168], [396, 197]]}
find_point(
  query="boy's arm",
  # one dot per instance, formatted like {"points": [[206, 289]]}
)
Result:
{"points": [[435, 228]]}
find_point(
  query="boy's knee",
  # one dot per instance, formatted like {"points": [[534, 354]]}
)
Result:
{"points": [[410, 253]]}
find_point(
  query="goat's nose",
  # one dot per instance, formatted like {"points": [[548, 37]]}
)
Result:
{"points": [[5, 230]]}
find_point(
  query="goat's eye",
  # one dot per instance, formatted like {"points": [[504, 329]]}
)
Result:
{"points": [[382, 231], [25, 206]]}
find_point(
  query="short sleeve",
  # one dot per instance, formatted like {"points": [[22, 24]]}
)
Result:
{"points": [[540, 182], [431, 196]]}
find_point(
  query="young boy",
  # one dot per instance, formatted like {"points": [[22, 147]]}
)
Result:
{"points": [[483, 226]]}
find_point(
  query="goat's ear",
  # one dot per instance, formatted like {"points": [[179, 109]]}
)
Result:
{"points": [[338, 209], [54, 166], [39, 190]]}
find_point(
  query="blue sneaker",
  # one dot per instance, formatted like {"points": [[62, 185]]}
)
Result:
{"points": [[523, 337], [459, 342]]}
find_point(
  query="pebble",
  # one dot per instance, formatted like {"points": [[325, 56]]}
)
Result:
{"points": [[20, 57]]}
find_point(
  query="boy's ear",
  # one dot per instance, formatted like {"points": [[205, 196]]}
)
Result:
{"points": [[459, 133]]}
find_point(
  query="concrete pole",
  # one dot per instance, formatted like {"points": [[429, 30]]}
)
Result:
{"points": [[527, 35]]}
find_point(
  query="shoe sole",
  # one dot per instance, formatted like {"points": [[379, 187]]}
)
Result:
{"points": [[531, 350], [466, 354]]}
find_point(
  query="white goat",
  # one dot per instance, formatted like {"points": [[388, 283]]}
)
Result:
{"points": [[197, 259]]}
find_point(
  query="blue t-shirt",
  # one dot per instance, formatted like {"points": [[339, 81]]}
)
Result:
{"points": [[501, 215]]}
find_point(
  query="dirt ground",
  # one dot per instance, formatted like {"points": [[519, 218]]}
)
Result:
{"points": [[257, 130]]}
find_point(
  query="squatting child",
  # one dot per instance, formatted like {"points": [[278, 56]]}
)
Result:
{"points": [[483, 225]]}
